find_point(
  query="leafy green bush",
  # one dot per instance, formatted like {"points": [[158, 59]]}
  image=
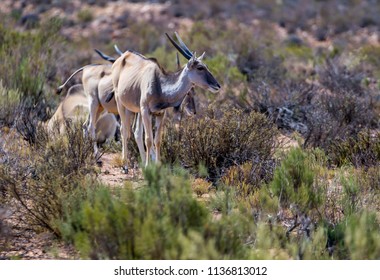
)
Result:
{"points": [[143, 224], [361, 190], [293, 182]]}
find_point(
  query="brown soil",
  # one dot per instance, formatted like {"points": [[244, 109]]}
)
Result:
{"points": [[113, 175], [17, 241]]}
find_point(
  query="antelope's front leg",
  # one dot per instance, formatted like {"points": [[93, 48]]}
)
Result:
{"points": [[147, 121], [139, 137], [158, 137]]}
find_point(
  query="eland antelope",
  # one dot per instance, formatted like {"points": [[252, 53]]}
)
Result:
{"points": [[74, 106], [142, 86], [187, 106], [97, 84]]}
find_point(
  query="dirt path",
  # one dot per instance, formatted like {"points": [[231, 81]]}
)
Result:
{"points": [[113, 175]]}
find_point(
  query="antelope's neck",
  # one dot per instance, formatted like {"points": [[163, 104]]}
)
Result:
{"points": [[175, 86]]}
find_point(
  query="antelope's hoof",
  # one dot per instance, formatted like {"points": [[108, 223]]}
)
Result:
{"points": [[99, 163], [124, 169]]}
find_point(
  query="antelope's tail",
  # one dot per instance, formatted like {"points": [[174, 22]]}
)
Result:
{"points": [[60, 88]]}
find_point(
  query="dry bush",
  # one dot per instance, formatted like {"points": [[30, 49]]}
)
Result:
{"points": [[362, 150], [337, 108], [342, 109], [36, 177], [220, 140], [200, 186], [286, 104], [336, 77], [259, 64], [4, 229], [249, 176]]}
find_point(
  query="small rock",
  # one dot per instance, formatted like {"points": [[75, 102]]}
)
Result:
{"points": [[294, 40], [30, 21], [321, 34], [122, 20]]}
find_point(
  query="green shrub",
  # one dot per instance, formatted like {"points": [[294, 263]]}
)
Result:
{"points": [[293, 182], [28, 66], [362, 237], [355, 237], [9, 103], [143, 224], [144, 38], [361, 190], [233, 235], [27, 57], [85, 15]]}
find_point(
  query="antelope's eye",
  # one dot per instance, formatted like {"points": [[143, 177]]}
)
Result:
{"points": [[200, 68]]}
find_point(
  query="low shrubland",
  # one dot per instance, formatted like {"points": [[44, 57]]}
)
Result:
{"points": [[294, 216], [226, 188]]}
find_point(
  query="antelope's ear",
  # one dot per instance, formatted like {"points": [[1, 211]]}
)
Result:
{"points": [[202, 56]]}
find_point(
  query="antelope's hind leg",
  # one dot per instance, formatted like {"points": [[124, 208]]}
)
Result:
{"points": [[125, 119], [147, 121], [95, 110], [139, 129]]}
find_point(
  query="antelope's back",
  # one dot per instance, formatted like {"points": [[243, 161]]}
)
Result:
{"points": [[129, 73], [130, 68]]}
